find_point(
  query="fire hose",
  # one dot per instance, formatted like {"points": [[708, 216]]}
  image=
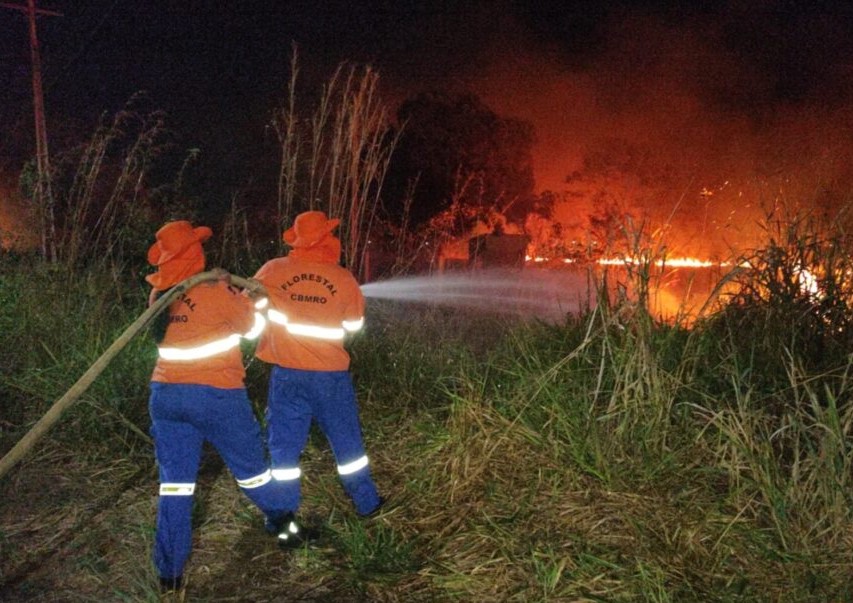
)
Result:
{"points": [[54, 413]]}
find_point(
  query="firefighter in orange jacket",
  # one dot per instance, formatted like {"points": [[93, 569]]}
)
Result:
{"points": [[313, 303], [198, 394]]}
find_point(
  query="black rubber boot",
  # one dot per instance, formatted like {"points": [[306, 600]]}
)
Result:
{"points": [[293, 535]]}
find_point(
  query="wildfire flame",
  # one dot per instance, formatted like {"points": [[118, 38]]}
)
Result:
{"points": [[682, 262]]}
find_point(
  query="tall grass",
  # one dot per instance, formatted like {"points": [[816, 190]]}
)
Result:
{"points": [[113, 189], [336, 158], [56, 328], [608, 457]]}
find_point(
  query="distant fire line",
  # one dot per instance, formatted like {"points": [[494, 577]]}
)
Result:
{"points": [[671, 262], [809, 283]]}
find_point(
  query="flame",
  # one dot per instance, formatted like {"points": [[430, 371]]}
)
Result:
{"points": [[682, 285], [808, 282], [17, 230], [673, 295], [681, 262]]}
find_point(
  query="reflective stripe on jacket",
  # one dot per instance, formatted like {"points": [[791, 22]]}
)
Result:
{"points": [[201, 344], [312, 307]]}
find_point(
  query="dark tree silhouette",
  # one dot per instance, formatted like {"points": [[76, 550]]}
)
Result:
{"points": [[457, 150]]}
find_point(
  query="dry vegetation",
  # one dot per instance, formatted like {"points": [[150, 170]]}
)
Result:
{"points": [[604, 459]]}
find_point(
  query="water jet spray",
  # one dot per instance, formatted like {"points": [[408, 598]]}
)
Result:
{"points": [[542, 294]]}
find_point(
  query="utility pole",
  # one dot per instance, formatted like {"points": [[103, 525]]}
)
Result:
{"points": [[43, 194]]}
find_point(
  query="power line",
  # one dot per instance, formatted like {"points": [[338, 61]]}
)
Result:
{"points": [[36, 10]]}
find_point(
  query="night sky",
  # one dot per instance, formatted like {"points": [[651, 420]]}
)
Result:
{"points": [[712, 88]]}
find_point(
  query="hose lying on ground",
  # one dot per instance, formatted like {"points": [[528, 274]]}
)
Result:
{"points": [[26, 443]]}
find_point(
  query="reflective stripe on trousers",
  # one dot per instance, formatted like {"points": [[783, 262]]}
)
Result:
{"points": [[172, 489]]}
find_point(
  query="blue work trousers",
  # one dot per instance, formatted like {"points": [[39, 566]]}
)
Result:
{"points": [[296, 397], [182, 418]]}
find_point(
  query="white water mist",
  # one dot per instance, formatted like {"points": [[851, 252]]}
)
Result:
{"points": [[544, 294]]}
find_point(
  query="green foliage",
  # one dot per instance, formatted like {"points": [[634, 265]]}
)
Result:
{"points": [[56, 328], [410, 367], [610, 457], [376, 551], [791, 304]]}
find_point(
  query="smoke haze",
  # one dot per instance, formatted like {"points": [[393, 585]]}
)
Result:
{"points": [[732, 109], [709, 111]]}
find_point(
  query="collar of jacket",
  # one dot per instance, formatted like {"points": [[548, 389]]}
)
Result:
{"points": [[327, 251]]}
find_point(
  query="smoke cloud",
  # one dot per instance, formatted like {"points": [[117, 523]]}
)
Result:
{"points": [[707, 113], [731, 110]]}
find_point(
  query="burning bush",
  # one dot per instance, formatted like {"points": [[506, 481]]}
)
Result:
{"points": [[792, 302]]}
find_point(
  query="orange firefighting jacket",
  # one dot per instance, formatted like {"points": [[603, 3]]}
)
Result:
{"points": [[313, 303], [202, 341]]}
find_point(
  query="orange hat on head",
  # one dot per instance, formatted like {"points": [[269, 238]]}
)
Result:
{"points": [[175, 238], [309, 228], [177, 253]]}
